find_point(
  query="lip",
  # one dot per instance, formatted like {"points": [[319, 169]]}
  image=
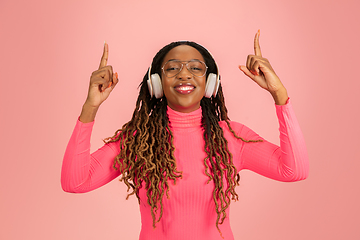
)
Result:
{"points": [[184, 88]]}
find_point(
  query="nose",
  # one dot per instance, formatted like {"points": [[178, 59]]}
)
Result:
{"points": [[184, 73]]}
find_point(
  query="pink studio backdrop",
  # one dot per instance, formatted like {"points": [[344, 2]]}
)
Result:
{"points": [[49, 49]]}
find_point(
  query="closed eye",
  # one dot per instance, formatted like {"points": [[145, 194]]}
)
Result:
{"points": [[172, 69]]}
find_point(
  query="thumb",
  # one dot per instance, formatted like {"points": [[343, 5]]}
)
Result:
{"points": [[246, 71], [108, 90]]}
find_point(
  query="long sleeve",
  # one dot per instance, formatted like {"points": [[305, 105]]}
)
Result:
{"points": [[287, 163], [82, 171]]}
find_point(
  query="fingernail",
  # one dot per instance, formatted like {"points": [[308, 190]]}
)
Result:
{"points": [[104, 42], [117, 77], [110, 84]]}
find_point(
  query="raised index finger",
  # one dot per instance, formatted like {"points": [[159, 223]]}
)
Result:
{"points": [[105, 56], [257, 45]]}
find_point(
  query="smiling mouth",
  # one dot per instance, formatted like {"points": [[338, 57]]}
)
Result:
{"points": [[184, 88]]}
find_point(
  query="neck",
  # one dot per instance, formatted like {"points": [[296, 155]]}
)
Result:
{"points": [[188, 109], [184, 120]]}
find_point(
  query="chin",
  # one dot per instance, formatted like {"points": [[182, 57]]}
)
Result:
{"points": [[181, 107]]}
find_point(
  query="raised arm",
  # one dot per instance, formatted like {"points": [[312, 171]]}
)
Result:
{"points": [[82, 171], [289, 162]]}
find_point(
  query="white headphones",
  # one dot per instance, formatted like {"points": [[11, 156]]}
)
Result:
{"points": [[211, 88]]}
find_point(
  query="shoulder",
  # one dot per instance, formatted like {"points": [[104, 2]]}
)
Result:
{"points": [[234, 129], [237, 127]]}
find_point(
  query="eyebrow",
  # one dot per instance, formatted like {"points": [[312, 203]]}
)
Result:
{"points": [[184, 61]]}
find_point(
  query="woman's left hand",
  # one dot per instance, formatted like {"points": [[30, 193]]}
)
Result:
{"points": [[260, 71]]}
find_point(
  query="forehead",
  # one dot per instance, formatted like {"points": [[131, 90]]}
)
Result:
{"points": [[183, 53]]}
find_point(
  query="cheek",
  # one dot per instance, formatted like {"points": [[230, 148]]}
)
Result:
{"points": [[202, 84], [164, 82], [166, 85]]}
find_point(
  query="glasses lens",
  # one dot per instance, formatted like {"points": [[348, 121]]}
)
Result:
{"points": [[173, 67], [197, 68]]}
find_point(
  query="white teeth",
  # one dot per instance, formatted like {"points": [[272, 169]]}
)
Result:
{"points": [[185, 88]]}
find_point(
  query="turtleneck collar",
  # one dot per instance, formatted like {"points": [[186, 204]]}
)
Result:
{"points": [[184, 120]]}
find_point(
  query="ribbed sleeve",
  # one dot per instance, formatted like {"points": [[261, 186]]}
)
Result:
{"points": [[287, 163], [82, 171]]}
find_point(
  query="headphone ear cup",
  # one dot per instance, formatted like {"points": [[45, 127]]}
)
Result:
{"points": [[156, 85], [217, 86], [150, 88], [210, 85]]}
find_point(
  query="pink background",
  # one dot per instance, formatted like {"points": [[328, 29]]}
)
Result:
{"points": [[49, 49]]}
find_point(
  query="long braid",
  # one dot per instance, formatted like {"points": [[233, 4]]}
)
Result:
{"points": [[219, 162], [147, 152]]}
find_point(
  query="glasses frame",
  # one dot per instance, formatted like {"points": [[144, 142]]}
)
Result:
{"points": [[187, 67]]}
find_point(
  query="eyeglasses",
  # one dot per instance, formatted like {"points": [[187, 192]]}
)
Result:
{"points": [[196, 67]]}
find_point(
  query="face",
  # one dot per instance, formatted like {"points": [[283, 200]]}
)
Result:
{"points": [[183, 91]]}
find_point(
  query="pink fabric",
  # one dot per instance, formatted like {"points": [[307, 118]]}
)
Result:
{"points": [[190, 211]]}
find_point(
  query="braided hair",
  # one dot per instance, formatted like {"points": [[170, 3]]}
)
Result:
{"points": [[147, 149]]}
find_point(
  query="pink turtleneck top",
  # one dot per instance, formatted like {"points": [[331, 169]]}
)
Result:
{"points": [[189, 213]]}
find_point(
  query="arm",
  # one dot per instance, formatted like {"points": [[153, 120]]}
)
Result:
{"points": [[287, 163], [82, 171]]}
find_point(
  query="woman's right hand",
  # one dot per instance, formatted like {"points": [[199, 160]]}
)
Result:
{"points": [[102, 82]]}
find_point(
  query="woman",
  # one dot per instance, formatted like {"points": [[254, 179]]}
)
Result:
{"points": [[179, 153]]}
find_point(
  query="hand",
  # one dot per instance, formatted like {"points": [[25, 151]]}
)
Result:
{"points": [[260, 71], [102, 81]]}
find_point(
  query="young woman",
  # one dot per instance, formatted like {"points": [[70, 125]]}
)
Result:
{"points": [[180, 154]]}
